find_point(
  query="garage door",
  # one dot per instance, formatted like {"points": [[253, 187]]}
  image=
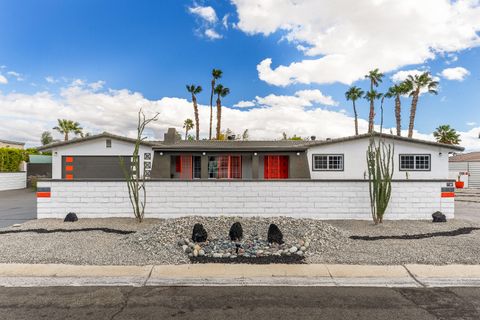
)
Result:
{"points": [[474, 179], [93, 167]]}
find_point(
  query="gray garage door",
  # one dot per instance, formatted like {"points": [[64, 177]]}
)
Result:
{"points": [[474, 179], [93, 167]]}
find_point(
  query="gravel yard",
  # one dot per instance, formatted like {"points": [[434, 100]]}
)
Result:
{"points": [[155, 241]]}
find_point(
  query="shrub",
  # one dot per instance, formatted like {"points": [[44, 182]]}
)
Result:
{"points": [[11, 158]]}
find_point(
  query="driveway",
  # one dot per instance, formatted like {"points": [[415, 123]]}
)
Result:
{"points": [[467, 210], [17, 206]]}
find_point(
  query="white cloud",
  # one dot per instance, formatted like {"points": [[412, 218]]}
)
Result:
{"points": [[50, 79], [3, 79], [244, 104], [225, 21], [458, 73], [344, 39], [16, 75], [206, 13], [97, 85], [470, 124], [402, 75], [25, 116], [212, 34]]}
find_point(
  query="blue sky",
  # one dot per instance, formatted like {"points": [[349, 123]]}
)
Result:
{"points": [[98, 61]]}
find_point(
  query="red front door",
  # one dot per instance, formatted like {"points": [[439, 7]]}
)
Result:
{"points": [[275, 167]]}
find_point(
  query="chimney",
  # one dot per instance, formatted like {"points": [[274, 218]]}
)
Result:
{"points": [[170, 137], [313, 138]]}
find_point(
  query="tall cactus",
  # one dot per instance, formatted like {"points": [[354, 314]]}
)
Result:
{"points": [[380, 172]]}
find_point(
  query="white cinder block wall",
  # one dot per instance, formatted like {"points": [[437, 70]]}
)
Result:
{"points": [[13, 180], [312, 199]]}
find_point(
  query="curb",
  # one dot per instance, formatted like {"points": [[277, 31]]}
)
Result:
{"points": [[43, 275]]}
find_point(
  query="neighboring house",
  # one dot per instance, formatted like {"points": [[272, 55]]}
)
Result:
{"points": [[466, 166], [325, 179], [11, 144]]}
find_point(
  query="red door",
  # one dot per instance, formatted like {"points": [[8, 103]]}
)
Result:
{"points": [[275, 167]]}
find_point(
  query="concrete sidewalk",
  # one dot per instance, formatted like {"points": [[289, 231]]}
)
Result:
{"points": [[30, 275]]}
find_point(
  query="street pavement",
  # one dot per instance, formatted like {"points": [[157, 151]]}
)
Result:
{"points": [[17, 206], [239, 303]]}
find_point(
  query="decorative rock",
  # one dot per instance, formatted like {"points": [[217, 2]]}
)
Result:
{"points": [[293, 249], [217, 255], [439, 217], [226, 255], [303, 248], [197, 247], [236, 232], [195, 253], [184, 247], [188, 250], [201, 253], [300, 253], [199, 233], [274, 234], [71, 217]]}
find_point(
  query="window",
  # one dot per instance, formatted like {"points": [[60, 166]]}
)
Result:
{"points": [[197, 165], [225, 167], [414, 162], [327, 162], [108, 143], [275, 167]]}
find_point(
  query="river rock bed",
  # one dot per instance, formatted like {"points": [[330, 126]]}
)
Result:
{"points": [[249, 249]]}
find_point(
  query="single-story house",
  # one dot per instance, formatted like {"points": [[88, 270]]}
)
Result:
{"points": [[11, 144], [326, 179], [466, 166]]}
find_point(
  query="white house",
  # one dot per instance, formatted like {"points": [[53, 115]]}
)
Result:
{"points": [[325, 179]]}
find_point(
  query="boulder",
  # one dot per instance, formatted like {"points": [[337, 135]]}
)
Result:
{"points": [[199, 233], [236, 232], [439, 217], [274, 234], [70, 217]]}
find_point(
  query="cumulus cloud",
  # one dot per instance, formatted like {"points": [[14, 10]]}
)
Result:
{"points": [[458, 73], [344, 39], [212, 34], [244, 104], [3, 79], [206, 13], [403, 74], [25, 116]]}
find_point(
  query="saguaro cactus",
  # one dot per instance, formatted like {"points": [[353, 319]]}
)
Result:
{"points": [[380, 171]]}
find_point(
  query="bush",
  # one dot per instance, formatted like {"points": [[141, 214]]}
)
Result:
{"points": [[11, 158]]}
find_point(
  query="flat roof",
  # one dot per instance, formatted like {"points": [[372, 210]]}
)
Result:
{"points": [[12, 142], [465, 157]]}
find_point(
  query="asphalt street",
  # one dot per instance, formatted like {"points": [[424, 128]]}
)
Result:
{"points": [[17, 206], [239, 303]]}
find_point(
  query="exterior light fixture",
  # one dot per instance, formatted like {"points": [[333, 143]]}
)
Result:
{"points": [[204, 153], [255, 154], [298, 153], [161, 153]]}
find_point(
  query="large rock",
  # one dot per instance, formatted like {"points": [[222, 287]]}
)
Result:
{"points": [[274, 234], [70, 217], [236, 232], [439, 217], [199, 233]]}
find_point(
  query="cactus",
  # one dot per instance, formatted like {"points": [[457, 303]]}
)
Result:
{"points": [[380, 171]]}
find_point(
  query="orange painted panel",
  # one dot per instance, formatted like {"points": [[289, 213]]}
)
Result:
{"points": [[69, 159], [43, 194], [448, 194], [69, 176], [69, 168]]}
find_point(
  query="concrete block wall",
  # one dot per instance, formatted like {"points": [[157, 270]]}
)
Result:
{"points": [[13, 180], [307, 199]]}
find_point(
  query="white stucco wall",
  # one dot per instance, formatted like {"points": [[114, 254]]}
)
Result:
{"points": [[312, 199], [355, 163], [95, 147], [13, 180]]}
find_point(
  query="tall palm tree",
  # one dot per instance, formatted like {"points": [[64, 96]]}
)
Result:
{"points": [[396, 91], [194, 90], [375, 77], [353, 94], [188, 125], [220, 91], [446, 134], [66, 126], [46, 138], [417, 83], [216, 74], [371, 96]]}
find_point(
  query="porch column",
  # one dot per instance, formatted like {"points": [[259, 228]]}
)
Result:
{"points": [[204, 167], [255, 167]]}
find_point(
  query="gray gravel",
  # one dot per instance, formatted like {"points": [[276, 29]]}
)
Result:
{"points": [[155, 241]]}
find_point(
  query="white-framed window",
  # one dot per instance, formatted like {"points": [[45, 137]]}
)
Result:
{"points": [[327, 162], [108, 143], [415, 162]]}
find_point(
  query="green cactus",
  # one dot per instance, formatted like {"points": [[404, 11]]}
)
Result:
{"points": [[380, 171]]}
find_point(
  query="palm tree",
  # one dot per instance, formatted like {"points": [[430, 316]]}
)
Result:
{"points": [[220, 91], [446, 134], [415, 84], [66, 126], [188, 125], [396, 91], [194, 90], [216, 74], [46, 138], [354, 93], [375, 77], [371, 96]]}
